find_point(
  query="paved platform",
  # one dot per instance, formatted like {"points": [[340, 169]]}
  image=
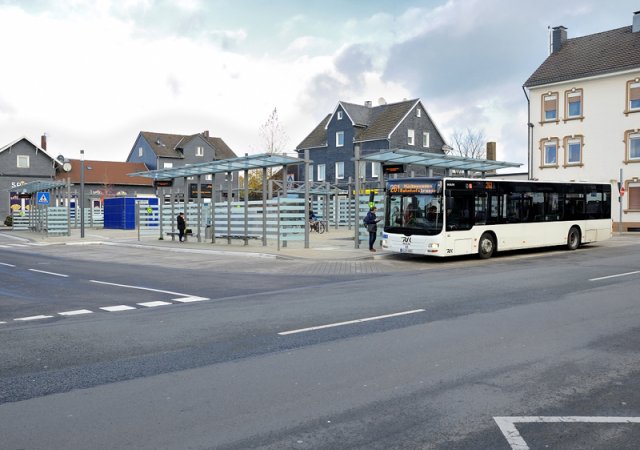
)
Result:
{"points": [[332, 245]]}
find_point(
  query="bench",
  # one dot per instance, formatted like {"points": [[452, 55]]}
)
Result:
{"points": [[175, 233], [238, 236]]}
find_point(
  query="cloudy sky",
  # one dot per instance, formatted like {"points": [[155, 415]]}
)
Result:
{"points": [[92, 74]]}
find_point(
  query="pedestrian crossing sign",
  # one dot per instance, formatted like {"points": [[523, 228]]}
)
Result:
{"points": [[43, 198]]}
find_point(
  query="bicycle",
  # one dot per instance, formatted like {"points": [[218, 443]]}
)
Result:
{"points": [[318, 226]]}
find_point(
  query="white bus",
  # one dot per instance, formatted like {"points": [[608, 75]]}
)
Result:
{"points": [[459, 216]]}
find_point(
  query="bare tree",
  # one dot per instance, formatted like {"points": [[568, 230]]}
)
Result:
{"points": [[273, 135], [468, 143]]}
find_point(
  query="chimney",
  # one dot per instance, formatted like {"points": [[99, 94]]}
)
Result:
{"points": [[491, 151], [205, 133], [43, 142], [367, 103], [636, 22], [558, 38]]}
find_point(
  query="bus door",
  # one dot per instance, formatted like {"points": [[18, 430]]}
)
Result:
{"points": [[459, 210]]}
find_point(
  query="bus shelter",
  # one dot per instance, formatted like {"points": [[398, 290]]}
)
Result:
{"points": [[165, 178], [401, 159], [49, 210]]}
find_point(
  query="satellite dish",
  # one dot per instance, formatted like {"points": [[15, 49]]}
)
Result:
{"points": [[66, 167], [60, 158]]}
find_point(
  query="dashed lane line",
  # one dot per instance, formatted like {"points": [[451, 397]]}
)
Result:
{"points": [[50, 273], [117, 308], [76, 312], [508, 425], [615, 276], [350, 322], [7, 264], [26, 319], [154, 304]]}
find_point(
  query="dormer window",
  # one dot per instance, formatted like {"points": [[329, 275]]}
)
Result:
{"points": [[339, 115]]}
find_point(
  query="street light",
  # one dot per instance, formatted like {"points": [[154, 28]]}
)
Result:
{"points": [[82, 193]]}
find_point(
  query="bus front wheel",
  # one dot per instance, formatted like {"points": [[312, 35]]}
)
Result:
{"points": [[486, 246], [573, 239]]}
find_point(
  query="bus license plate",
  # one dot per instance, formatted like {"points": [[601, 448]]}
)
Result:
{"points": [[405, 249]]}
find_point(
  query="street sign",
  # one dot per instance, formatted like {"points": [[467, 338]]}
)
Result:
{"points": [[43, 198], [622, 191]]}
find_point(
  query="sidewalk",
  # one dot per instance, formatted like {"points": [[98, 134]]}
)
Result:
{"points": [[331, 245]]}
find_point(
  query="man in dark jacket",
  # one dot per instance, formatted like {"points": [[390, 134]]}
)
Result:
{"points": [[371, 221], [182, 225]]}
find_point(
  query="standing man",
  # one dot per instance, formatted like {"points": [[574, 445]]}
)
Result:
{"points": [[371, 221], [182, 225]]}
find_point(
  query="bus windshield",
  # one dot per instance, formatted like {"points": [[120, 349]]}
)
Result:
{"points": [[414, 211]]}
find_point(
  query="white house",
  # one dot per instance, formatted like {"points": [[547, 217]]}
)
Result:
{"points": [[584, 114]]}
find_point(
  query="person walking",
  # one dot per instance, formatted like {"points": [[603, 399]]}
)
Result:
{"points": [[182, 226], [371, 221]]}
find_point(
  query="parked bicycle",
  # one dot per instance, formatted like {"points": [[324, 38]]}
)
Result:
{"points": [[317, 225]]}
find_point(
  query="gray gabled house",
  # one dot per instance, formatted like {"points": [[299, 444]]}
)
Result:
{"points": [[333, 141], [166, 151], [22, 162]]}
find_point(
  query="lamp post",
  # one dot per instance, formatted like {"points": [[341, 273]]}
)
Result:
{"points": [[82, 193]]}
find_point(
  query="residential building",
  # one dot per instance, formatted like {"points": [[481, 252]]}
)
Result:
{"points": [[21, 162], [106, 179], [584, 109], [166, 151], [333, 142]]}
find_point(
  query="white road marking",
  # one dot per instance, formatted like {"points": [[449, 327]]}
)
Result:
{"points": [[138, 287], [17, 238], [153, 304], [508, 428], [615, 276], [189, 299], [6, 264], [2, 323], [50, 273], [33, 318], [349, 322], [77, 312], [117, 308]]}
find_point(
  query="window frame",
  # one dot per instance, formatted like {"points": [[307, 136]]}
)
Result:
{"points": [[167, 165], [339, 115], [321, 172], [543, 115], [573, 92], [411, 136], [633, 196], [426, 139], [339, 166], [543, 146], [630, 135], [375, 169], [199, 151], [567, 141], [26, 165], [418, 112], [310, 173], [140, 152], [339, 138], [630, 85]]}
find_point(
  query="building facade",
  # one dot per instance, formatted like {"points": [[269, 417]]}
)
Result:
{"points": [[365, 129], [584, 109], [167, 151], [22, 162]]}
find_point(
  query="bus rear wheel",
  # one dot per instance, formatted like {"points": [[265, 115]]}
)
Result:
{"points": [[573, 238], [486, 246]]}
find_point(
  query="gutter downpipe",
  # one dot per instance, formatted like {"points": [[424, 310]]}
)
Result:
{"points": [[529, 137]]}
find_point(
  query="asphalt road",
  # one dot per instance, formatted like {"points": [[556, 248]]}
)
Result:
{"points": [[450, 355]]}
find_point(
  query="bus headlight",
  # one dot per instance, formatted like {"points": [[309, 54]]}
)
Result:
{"points": [[433, 247]]}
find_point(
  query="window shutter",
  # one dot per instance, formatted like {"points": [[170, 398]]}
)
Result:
{"points": [[634, 92], [550, 105]]}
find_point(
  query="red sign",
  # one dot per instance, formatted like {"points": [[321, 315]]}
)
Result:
{"points": [[621, 191]]}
